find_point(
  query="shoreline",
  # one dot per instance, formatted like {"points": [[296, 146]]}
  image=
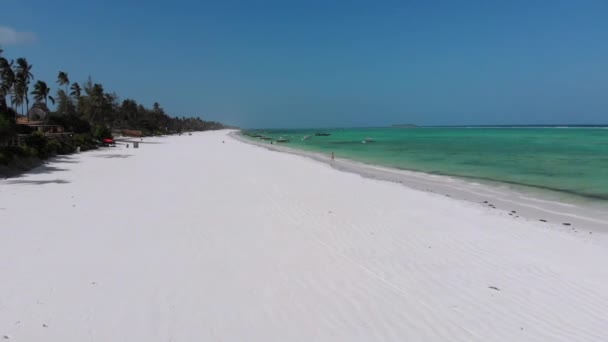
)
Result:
{"points": [[501, 196]]}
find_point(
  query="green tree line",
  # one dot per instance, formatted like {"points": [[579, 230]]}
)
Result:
{"points": [[84, 109], [81, 107]]}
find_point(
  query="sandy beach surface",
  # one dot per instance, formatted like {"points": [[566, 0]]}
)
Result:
{"points": [[205, 238]]}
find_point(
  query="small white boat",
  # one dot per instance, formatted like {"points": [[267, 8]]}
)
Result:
{"points": [[367, 140]]}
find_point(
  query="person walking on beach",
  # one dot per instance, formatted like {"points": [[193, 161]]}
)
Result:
{"points": [[332, 156]]}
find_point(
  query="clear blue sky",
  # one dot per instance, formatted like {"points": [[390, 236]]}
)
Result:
{"points": [[329, 63]]}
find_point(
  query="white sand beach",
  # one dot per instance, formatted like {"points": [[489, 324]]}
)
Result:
{"points": [[206, 238]]}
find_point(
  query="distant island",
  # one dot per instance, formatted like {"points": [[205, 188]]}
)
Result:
{"points": [[405, 126]]}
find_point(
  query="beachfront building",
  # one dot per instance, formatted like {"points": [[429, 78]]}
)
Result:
{"points": [[40, 126], [26, 127]]}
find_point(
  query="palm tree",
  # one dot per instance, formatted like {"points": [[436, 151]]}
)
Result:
{"points": [[7, 77], [76, 90], [76, 94], [3, 61], [27, 101], [17, 96], [95, 102], [24, 68], [24, 76], [62, 79], [41, 92]]}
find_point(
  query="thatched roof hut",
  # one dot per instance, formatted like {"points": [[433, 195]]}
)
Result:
{"points": [[39, 111]]}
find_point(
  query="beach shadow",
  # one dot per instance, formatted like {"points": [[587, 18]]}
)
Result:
{"points": [[131, 141], [64, 159], [32, 167], [46, 169], [113, 156], [36, 182]]}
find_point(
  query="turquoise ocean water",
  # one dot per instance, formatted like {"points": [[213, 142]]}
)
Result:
{"points": [[568, 160]]}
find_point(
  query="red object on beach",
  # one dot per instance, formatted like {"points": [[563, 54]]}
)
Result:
{"points": [[108, 141]]}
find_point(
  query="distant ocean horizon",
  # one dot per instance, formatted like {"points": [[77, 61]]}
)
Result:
{"points": [[259, 129], [567, 159], [517, 126]]}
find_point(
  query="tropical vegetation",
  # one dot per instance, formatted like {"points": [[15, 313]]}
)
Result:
{"points": [[86, 109]]}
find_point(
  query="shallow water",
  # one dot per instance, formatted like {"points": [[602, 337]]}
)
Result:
{"points": [[572, 161]]}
